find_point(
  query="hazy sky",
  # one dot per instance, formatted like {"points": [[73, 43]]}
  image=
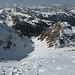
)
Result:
{"points": [[37, 2]]}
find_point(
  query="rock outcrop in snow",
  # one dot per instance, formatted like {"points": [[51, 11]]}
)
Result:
{"points": [[59, 34], [51, 34]]}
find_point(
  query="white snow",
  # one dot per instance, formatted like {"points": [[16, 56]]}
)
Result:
{"points": [[68, 31], [42, 61], [73, 11], [65, 24], [19, 13], [1, 11], [9, 21]]}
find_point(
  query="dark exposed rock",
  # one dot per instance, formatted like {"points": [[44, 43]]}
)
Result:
{"points": [[28, 29], [60, 17], [9, 43], [51, 34]]}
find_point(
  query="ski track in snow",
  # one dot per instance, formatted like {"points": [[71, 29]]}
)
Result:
{"points": [[42, 61]]}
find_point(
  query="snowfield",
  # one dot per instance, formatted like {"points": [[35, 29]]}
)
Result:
{"points": [[42, 61]]}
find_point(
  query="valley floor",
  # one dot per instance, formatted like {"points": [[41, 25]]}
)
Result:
{"points": [[42, 61]]}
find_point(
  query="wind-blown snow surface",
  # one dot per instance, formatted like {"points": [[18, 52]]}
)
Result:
{"points": [[42, 61]]}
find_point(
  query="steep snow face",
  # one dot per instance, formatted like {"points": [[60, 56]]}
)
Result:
{"points": [[9, 21], [13, 46]]}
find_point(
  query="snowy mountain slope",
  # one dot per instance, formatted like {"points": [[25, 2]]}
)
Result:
{"points": [[59, 34], [43, 61], [13, 46], [37, 58]]}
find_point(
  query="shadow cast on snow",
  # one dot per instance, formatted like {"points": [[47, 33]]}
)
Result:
{"points": [[9, 55]]}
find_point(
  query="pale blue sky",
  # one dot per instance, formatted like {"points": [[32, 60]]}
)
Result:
{"points": [[37, 2]]}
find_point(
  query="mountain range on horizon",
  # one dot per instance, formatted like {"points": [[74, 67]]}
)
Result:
{"points": [[38, 2]]}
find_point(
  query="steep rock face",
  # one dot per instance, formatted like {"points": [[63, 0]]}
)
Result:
{"points": [[51, 34], [59, 34], [28, 29]]}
